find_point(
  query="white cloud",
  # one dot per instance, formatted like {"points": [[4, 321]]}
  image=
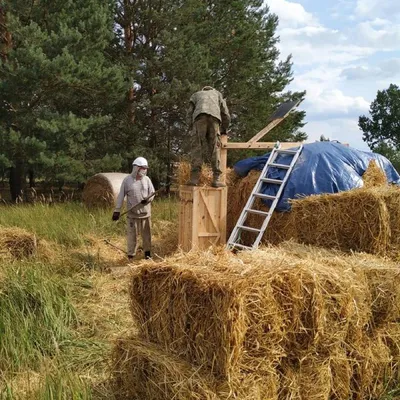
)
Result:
{"points": [[291, 13], [342, 129], [378, 8], [385, 70], [382, 36]]}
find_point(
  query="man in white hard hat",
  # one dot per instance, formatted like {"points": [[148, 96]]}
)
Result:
{"points": [[137, 187], [208, 118]]}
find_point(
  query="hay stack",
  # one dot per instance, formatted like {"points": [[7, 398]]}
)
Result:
{"points": [[101, 190], [17, 243], [374, 176], [279, 323], [365, 220]]}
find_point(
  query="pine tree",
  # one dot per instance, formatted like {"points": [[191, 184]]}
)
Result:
{"points": [[58, 87], [176, 47]]}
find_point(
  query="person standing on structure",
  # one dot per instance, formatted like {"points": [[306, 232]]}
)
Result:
{"points": [[137, 187], [208, 118]]}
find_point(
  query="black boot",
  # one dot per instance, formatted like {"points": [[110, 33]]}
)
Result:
{"points": [[216, 182], [147, 255], [194, 178]]}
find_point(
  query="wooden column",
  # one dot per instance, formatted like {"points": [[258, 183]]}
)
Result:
{"points": [[224, 156], [202, 217]]}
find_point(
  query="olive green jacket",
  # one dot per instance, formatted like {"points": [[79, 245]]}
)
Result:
{"points": [[209, 102]]}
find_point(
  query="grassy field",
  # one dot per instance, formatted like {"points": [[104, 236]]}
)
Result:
{"points": [[61, 310]]}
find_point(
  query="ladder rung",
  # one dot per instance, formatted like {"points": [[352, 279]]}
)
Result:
{"points": [[242, 246], [248, 228], [270, 180], [287, 151], [251, 210], [264, 196], [283, 166]]}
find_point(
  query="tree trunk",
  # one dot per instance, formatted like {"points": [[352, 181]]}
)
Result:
{"points": [[5, 36], [32, 182], [16, 180], [129, 40]]}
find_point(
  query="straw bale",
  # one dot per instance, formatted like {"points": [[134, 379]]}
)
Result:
{"points": [[17, 243], [308, 378], [143, 371], [371, 362], [229, 313], [374, 176], [101, 190], [206, 175], [384, 285], [356, 220], [391, 197]]}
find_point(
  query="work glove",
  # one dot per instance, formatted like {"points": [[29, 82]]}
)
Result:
{"points": [[115, 216], [145, 202]]}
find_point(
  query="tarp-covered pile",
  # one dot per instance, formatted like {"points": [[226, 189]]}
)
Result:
{"points": [[323, 167]]}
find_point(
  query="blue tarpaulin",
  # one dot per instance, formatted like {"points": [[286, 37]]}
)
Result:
{"points": [[322, 167]]}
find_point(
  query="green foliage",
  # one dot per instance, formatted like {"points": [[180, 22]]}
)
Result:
{"points": [[58, 88], [382, 129], [35, 316], [229, 45]]}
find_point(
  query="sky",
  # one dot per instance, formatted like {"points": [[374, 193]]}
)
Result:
{"points": [[343, 52]]}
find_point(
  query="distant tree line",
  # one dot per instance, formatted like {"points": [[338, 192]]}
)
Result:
{"points": [[382, 128], [88, 85]]}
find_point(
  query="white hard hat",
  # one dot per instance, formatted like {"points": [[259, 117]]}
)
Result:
{"points": [[141, 162]]}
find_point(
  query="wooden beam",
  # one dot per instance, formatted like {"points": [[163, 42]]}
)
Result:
{"points": [[265, 130], [256, 145], [279, 115]]}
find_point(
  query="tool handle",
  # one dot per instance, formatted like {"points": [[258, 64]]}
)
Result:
{"points": [[146, 198]]}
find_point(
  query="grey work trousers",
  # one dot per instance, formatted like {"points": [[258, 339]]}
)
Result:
{"points": [[206, 146], [135, 227]]}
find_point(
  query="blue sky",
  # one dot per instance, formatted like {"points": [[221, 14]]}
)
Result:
{"points": [[343, 51]]}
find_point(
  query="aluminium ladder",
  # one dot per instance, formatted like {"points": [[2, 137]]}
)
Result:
{"points": [[234, 239]]}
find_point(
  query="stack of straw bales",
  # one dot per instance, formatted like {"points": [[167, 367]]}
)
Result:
{"points": [[17, 243], [101, 190], [285, 323], [365, 219]]}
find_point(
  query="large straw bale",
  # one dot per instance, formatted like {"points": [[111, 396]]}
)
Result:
{"points": [[17, 242], [142, 370], [101, 190], [374, 176], [230, 313], [356, 220]]}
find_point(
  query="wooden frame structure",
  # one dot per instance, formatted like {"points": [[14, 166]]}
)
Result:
{"points": [[203, 210]]}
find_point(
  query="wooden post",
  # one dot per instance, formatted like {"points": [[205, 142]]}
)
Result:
{"points": [[224, 156], [202, 217]]}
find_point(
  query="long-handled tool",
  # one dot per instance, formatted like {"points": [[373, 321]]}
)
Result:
{"points": [[115, 247], [163, 186]]}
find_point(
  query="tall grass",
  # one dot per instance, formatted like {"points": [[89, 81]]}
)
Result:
{"points": [[35, 316], [69, 223]]}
